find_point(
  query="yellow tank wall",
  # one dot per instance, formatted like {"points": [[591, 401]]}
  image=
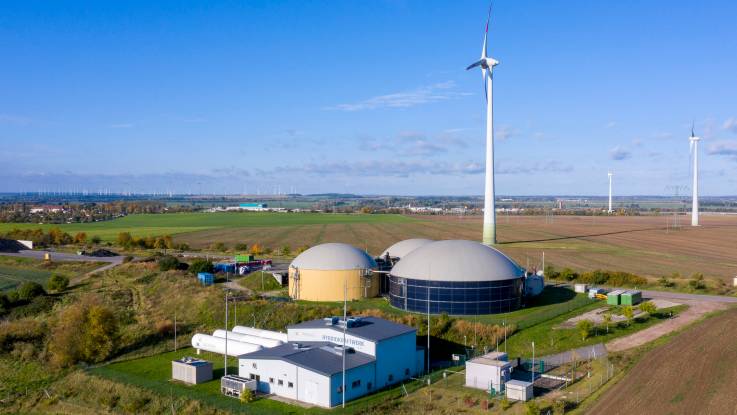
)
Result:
{"points": [[319, 285]]}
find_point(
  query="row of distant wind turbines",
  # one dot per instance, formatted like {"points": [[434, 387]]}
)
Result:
{"points": [[487, 65]]}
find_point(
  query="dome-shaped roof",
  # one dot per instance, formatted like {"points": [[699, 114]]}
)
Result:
{"points": [[333, 256], [457, 260], [402, 248]]}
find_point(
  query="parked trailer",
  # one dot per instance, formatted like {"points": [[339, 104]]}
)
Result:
{"points": [[267, 334], [248, 338], [217, 345]]}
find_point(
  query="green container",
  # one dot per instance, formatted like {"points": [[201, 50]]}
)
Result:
{"points": [[244, 258], [613, 298], [631, 298]]}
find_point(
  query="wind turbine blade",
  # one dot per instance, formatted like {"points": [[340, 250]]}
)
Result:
{"points": [[486, 33], [486, 85], [475, 64]]}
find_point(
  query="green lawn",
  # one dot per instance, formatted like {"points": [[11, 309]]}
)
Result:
{"points": [[14, 271], [175, 223], [154, 373], [550, 340], [260, 281]]}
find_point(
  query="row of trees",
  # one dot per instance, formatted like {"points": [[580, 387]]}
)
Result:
{"points": [[83, 212], [29, 291], [53, 237], [600, 277], [585, 327]]}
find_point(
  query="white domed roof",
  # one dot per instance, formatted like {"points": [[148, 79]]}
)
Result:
{"points": [[333, 256], [402, 248], [457, 260]]}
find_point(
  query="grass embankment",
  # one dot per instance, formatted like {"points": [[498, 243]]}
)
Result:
{"points": [[14, 271], [260, 281]]}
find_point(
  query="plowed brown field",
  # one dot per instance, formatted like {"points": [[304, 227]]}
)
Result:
{"points": [[639, 244], [696, 373]]}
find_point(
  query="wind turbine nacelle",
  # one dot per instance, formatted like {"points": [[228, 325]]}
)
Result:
{"points": [[491, 62]]}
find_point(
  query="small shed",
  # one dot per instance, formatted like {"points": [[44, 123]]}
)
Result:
{"points": [[519, 390], [594, 291], [206, 278], [580, 288], [631, 298], [244, 258], [613, 298], [191, 370], [488, 372]]}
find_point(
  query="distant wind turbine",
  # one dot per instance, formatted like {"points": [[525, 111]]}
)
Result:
{"points": [[694, 144], [487, 64]]}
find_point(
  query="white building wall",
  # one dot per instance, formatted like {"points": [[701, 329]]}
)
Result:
{"points": [[266, 370], [481, 376], [313, 387], [330, 335]]}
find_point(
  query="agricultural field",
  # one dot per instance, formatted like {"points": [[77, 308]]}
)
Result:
{"points": [[694, 373]]}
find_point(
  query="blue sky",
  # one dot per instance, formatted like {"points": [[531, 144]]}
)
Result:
{"points": [[368, 97]]}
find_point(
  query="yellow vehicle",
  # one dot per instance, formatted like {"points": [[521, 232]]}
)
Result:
{"points": [[601, 297]]}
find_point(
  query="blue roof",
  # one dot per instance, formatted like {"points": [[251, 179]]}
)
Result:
{"points": [[320, 357], [369, 328]]}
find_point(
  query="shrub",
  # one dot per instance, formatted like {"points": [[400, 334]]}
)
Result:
{"points": [[628, 312], [697, 281], [569, 274], [30, 290], [164, 327], [247, 396], [85, 331], [584, 328], [168, 262], [649, 307], [531, 408], [219, 246], [241, 247], [58, 282], [506, 404], [127, 259], [96, 239], [201, 265]]}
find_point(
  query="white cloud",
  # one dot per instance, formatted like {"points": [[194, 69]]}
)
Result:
{"points": [[425, 95], [730, 124], [723, 148], [618, 153]]}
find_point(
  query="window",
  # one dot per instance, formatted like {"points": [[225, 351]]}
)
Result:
{"points": [[252, 376], [356, 383], [290, 384], [406, 372], [281, 382], [340, 389], [391, 377], [253, 365], [369, 386], [271, 380]]}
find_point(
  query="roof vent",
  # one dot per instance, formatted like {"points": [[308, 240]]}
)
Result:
{"points": [[330, 321]]}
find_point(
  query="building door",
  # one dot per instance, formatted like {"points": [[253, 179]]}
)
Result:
{"points": [[311, 392]]}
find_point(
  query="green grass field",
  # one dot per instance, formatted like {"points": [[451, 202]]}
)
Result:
{"points": [[14, 271], [178, 223]]}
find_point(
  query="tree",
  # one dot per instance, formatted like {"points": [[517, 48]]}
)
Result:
{"points": [[697, 281], [96, 239], [628, 312], [286, 250], [80, 238], [85, 331], [58, 282], [257, 249], [160, 244], [168, 262], [649, 307], [30, 290], [201, 265], [607, 318], [584, 327], [241, 247], [124, 239]]}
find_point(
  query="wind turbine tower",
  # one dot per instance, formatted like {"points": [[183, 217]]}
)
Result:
{"points": [[694, 144], [610, 193], [487, 64]]}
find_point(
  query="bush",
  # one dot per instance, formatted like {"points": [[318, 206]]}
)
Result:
{"points": [[30, 290], [697, 281], [127, 259], [85, 331], [201, 265], [506, 404], [58, 282], [219, 246], [247, 396], [164, 327], [584, 328], [243, 247], [531, 408], [96, 239], [168, 262]]}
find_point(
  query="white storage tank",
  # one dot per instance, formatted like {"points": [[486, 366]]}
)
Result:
{"points": [[247, 338], [267, 334], [217, 345]]}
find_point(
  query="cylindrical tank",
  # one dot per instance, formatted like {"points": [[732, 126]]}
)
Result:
{"points": [[217, 345], [248, 338], [267, 334]]}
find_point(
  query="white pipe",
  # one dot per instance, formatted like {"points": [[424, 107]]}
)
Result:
{"points": [[247, 338], [218, 345], [267, 334]]}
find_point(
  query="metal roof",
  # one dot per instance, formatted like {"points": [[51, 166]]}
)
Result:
{"points": [[457, 260], [333, 256], [320, 357], [369, 328], [515, 384], [402, 248]]}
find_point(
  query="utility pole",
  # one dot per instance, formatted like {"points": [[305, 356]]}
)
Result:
{"points": [[345, 326], [225, 368], [533, 365]]}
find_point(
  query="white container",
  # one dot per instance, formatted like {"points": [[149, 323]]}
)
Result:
{"points": [[217, 345], [267, 334], [580, 288], [248, 338]]}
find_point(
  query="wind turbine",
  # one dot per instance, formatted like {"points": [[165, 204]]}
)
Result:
{"points": [[610, 192], [694, 144], [487, 64]]}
